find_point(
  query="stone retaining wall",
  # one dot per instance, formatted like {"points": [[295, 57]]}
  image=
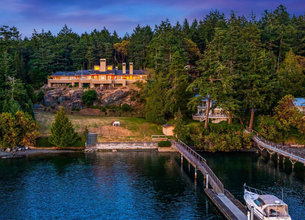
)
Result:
{"points": [[123, 146]]}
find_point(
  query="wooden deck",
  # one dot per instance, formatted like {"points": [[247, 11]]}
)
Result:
{"points": [[292, 154], [226, 203]]}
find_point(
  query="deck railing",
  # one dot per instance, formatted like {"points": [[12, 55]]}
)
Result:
{"points": [[282, 149], [158, 137], [214, 181]]}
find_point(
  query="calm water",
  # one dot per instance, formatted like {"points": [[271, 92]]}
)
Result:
{"points": [[133, 185]]}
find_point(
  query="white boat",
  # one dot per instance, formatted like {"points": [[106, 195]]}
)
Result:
{"points": [[265, 206]]}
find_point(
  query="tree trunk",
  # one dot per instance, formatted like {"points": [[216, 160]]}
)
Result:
{"points": [[230, 118], [207, 114], [251, 119]]}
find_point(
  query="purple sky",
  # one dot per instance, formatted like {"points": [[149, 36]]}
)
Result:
{"points": [[122, 15]]}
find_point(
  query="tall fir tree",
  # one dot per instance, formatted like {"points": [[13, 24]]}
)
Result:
{"points": [[62, 131]]}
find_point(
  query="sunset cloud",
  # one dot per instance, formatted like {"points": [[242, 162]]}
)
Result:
{"points": [[122, 15]]}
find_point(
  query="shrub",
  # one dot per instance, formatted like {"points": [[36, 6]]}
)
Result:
{"points": [[164, 144], [126, 107], [19, 129], [89, 97], [43, 142], [40, 96], [84, 134]]}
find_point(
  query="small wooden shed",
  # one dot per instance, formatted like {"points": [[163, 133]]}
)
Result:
{"points": [[168, 130]]}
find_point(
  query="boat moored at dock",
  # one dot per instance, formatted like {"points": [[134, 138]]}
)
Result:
{"points": [[265, 206]]}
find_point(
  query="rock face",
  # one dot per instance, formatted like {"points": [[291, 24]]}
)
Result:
{"points": [[115, 98], [71, 98]]}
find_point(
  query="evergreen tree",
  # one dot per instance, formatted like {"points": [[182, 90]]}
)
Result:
{"points": [[180, 130], [208, 84], [291, 76], [62, 131], [155, 101], [277, 32], [255, 77], [176, 96]]}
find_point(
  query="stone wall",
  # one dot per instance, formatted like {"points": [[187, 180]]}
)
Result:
{"points": [[124, 146]]}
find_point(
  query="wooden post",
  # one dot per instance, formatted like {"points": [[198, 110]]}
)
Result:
{"points": [[207, 181], [206, 206], [278, 160]]}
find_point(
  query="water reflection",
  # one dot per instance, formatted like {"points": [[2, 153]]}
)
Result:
{"points": [[261, 172], [97, 186]]}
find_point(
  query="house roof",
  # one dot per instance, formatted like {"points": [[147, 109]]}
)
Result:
{"points": [[94, 72], [299, 102], [167, 126], [271, 199]]}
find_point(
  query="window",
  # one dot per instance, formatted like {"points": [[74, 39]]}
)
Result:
{"points": [[259, 202]]}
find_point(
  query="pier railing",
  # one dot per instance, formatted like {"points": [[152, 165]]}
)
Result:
{"points": [[282, 149], [200, 161], [159, 137]]}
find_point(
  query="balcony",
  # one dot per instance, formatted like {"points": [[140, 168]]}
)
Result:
{"points": [[218, 117]]}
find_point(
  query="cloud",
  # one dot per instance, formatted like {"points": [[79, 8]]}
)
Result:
{"points": [[122, 15]]}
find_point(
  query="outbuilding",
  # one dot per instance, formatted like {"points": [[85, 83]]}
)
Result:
{"points": [[300, 104], [168, 130]]}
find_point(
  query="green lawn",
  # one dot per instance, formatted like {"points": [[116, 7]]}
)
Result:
{"points": [[131, 129]]}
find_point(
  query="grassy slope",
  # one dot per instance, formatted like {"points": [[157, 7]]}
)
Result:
{"points": [[132, 129]]}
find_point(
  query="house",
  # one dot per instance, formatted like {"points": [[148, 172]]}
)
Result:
{"points": [[299, 103], [168, 130], [216, 114], [101, 76]]}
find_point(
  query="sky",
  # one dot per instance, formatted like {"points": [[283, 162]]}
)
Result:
{"points": [[123, 15]]}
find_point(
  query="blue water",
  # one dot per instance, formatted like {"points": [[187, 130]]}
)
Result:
{"points": [[134, 185], [138, 185]]}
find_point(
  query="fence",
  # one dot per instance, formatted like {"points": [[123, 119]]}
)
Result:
{"points": [[200, 161]]}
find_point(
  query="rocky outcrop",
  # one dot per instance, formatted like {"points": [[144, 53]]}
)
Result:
{"points": [[116, 97], [71, 98]]}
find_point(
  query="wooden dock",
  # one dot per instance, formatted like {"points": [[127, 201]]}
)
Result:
{"points": [[284, 150], [226, 203]]}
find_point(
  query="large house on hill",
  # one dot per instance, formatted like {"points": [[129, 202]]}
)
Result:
{"points": [[102, 76]]}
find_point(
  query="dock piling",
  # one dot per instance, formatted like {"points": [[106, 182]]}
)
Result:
{"points": [[207, 181], [252, 213]]}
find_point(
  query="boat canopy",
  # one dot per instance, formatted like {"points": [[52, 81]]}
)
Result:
{"points": [[276, 211], [271, 199]]}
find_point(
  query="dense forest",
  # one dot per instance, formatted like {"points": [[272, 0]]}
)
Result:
{"points": [[243, 63]]}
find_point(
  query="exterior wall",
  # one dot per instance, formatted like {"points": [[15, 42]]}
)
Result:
{"points": [[301, 109], [168, 131], [93, 81]]}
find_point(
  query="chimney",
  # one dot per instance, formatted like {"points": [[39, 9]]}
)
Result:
{"points": [[124, 68], [131, 68], [103, 65]]}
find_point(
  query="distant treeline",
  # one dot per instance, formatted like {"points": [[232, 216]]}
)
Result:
{"points": [[242, 63]]}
